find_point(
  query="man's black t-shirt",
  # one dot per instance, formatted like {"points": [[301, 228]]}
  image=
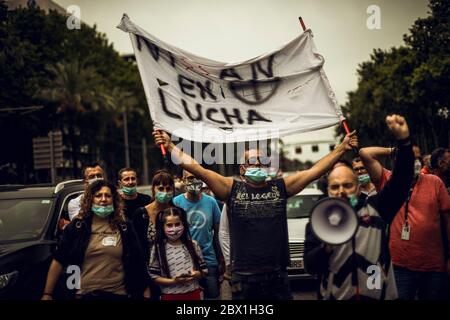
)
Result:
{"points": [[131, 205], [258, 226]]}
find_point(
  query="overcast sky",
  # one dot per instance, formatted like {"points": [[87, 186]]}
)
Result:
{"points": [[236, 30]]}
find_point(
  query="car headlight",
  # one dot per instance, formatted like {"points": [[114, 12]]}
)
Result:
{"points": [[6, 279]]}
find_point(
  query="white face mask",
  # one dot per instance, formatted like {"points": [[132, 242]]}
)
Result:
{"points": [[194, 186], [91, 181], [417, 167]]}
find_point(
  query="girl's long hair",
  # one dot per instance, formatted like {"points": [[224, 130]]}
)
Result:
{"points": [[160, 242], [86, 204]]}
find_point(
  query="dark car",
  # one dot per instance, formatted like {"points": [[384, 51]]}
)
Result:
{"points": [[30, 219]]}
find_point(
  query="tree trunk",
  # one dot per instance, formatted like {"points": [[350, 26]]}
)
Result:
{"points": [[74, 146]]}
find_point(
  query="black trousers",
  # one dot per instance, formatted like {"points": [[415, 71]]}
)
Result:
{"points": [[102, 295], [268, 285]]}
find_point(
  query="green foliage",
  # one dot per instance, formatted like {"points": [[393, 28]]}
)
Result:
{"points": [[80, 80], [412, 80]]}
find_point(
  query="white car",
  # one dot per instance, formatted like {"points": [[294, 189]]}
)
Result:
{"points": [[298, 210]]}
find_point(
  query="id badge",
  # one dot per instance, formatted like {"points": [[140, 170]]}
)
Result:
{"points": [[109, 241], [405, 232]]}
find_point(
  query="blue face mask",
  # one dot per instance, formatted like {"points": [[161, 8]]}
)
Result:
{"points": [[129, 191], [364, 179], [163, 197], [417, 167], [256, 174], [102, 211], [353, 200]]}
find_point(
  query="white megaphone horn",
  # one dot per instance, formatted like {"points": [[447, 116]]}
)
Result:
{"points": [[333, 221]]}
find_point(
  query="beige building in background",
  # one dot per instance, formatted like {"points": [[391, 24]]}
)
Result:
{"points": [[310, 146]]}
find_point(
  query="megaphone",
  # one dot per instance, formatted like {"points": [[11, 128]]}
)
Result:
{"points": [[333, 221]]}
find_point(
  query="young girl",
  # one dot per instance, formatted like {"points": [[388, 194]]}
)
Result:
{"points": [[176, 261]]}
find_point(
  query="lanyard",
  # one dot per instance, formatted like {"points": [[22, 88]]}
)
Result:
{"points": [[408, 199]]}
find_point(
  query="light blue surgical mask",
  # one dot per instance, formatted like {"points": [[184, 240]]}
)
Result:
{"points": [[163, 197], [353, 199], [256, 175], [364, 179], [129, 191], [417, 167], [102, 211]]}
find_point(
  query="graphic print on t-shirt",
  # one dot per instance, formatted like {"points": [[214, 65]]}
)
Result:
{"points": [[197, 219], [255, 204]]}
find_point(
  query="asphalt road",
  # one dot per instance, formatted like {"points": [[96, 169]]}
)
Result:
{"points": [[301, 290]]}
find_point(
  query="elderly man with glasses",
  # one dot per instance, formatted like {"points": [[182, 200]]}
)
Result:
{"points": [[366, 185]]}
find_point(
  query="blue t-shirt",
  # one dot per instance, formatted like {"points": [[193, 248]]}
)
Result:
{"points": [[202, 215]]}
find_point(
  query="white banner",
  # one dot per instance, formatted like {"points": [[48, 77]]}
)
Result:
{"points": [[276, 94]]}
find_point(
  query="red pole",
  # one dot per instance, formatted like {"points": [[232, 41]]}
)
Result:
{"points": [[343, 122], [163, 150], [302, 23]]}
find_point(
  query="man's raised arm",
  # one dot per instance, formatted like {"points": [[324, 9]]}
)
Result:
{"points": [[299, 181], [369, 157], [220, 185], [391, 198]]}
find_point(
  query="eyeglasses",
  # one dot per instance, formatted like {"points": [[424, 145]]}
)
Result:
{"points": [[262, 160], [359, 169]]}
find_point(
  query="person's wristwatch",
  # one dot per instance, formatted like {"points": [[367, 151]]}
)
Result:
{"points": [[393, 151]]}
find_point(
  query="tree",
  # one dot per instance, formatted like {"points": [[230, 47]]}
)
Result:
{"points": [[74, 88], [412, 80], [70, 73]]}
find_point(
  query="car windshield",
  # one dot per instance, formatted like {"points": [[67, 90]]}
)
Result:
{"points": [[23, 219], [300, 206]]}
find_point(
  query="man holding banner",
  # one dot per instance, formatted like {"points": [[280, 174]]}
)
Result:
{"points": [[257, 216]]}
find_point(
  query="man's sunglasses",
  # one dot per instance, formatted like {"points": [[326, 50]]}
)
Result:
{"points": [[262, 160]]}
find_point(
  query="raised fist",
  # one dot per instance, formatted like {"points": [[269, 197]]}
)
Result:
{"points": [[398, 126]]}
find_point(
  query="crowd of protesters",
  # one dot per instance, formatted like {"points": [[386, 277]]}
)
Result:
{"points": [[177, 245]]}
